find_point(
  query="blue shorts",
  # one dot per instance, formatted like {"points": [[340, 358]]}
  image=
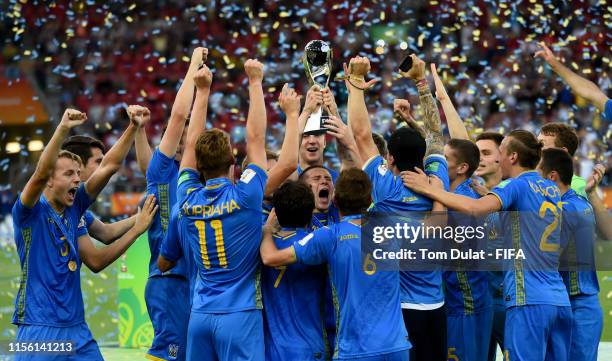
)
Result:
{"points": [[587, 327], [497, 333], [84, 345], [236, 336], [538, 333], [393, 356], [168, 303], [468, 336]]}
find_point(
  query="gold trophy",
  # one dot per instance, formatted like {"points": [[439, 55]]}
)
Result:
{"points": [[317, 62]]}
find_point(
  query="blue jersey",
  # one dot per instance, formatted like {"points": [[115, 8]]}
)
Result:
{"points": [[50, 289], [578, 234], [293, 305], [162, 175], [535, 230], [221, 222], [367, 302], [607, 113], [495, 241], [334, 174], [176, 249], [467, 292], [390, 195], [323, 219]]}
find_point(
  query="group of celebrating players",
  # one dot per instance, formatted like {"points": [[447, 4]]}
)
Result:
{"points": [[226, 285]]}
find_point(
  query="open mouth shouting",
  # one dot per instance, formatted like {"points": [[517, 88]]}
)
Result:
{"points": [[72, 193]]}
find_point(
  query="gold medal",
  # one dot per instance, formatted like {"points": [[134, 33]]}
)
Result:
{"points": [[72, 266]]}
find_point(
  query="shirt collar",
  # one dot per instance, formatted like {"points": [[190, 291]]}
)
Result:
{"points": [[217, 183]]}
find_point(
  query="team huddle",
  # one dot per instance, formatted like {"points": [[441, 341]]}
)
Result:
{"points": [[270, 266]]}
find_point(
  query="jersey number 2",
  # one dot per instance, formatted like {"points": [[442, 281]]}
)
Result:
{"points": [[545, 246], [218, 228]]}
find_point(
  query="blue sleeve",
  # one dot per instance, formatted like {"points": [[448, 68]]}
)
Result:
{"points": [[316, 247], [21, 213], [251, 186], [188, 181], [383, 181], [160, 167], [507, 192], [89, 218], [171, 247], [436, 164], [607, 113], [82, 227], [82, 201]]}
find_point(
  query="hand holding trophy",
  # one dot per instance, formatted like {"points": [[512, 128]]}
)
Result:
{"points": [[317, 62]]}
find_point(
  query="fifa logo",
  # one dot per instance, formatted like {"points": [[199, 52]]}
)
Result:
{"points": [[173, 350]]}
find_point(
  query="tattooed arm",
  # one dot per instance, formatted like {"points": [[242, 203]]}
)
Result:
{"points": [[431, 116]]}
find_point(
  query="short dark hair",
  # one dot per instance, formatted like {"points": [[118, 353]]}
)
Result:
{"points": [[408, 148], [527, 146], [557, 159], [353, 190], [294, 204], [494, 136], [466, 152], [381, 144], [305, 171], [213, 153], [269, 155], [81, 145], [565, 136]]}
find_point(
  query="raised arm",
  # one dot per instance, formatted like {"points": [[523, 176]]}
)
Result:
{"points": [[46, 164], [580, 86], [143, 150], [256, 119], [431, 116], [202, 80], [347, 147], [114, 158], [98, 259], [107, 233], [289, 102], [456, 127], [181, 106], [358, 117]]}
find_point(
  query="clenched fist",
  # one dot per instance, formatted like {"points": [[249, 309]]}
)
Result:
{"points": [[254, 70], [203, 78]]}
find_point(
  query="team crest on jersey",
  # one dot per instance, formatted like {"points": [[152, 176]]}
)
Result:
{"points": [[173, 350], [247, 175], [382, 169], [302, 242]]}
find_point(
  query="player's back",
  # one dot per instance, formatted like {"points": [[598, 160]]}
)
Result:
{"points": [[368, 301], [579, 233], [222, 223], [533, 226], [293, 299], [390, 195]]}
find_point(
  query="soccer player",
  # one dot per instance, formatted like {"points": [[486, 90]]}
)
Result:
{"points": [[559, 135], [578, 233], [91, 151], [468, 300], [489, 171], [169, 323], [221, 222], [368, 310], [46, 215], [321, 183], [538, 312], [293, 295], [421, 292]]}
